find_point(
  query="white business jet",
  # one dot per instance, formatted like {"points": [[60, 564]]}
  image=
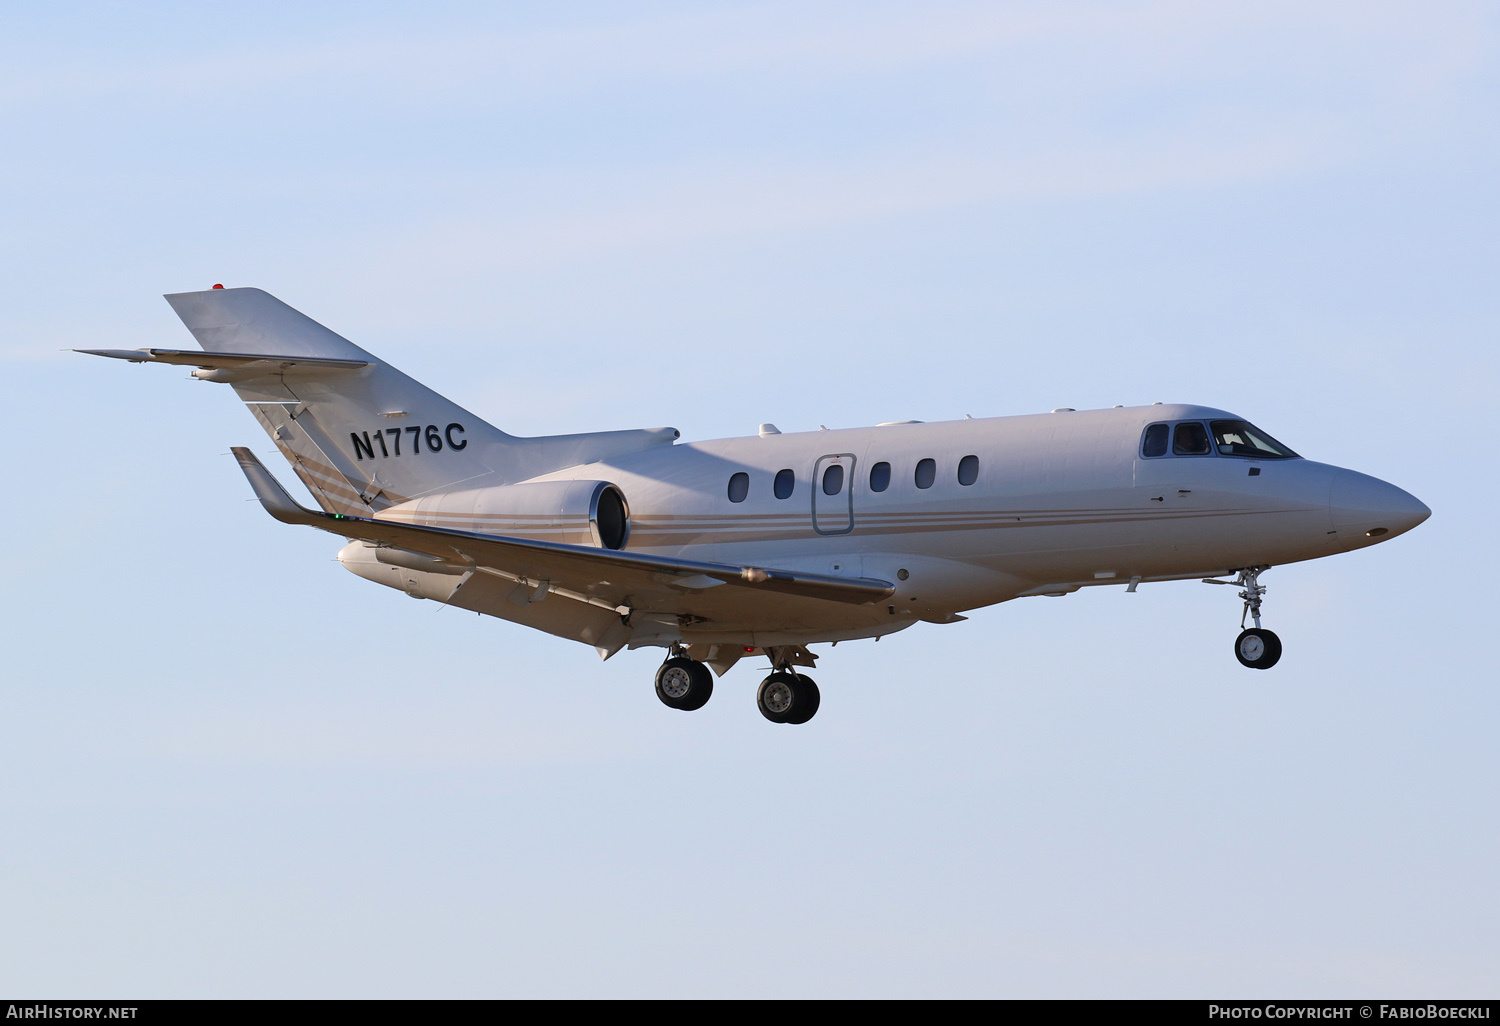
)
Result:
{"points": [[767, 544]]}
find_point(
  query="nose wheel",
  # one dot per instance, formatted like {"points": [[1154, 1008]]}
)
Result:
{"points": [[787, 697], [1256, 647]]}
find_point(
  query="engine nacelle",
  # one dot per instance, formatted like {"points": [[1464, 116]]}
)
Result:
{"points": [[573, 512]]}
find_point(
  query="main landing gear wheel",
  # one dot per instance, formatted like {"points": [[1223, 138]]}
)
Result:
{"points": [[786, 697], [684, 683], [808, 700], [1257, 648]]}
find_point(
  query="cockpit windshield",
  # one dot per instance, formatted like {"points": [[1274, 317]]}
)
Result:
{"points": [[1238, 438]]}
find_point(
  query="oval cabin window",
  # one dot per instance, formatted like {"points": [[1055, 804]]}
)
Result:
{"points": [[833, 480], [968, 470], [739, 487], [880, 477], [785, 482], [926, 473]]}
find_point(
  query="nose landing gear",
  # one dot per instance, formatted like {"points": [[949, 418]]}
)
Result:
{"points": [[1256, 647]]}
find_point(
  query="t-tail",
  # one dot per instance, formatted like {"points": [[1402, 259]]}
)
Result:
{"points": [[360, 434]]}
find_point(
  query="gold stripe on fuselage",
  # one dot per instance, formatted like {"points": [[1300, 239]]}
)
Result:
{"points": [[667, 530], [662, 530]]}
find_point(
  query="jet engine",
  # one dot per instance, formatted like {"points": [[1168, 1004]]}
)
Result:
{"points": [[574, 512]]}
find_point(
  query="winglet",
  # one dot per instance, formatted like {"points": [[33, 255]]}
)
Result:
{"points": [[270, 493]]}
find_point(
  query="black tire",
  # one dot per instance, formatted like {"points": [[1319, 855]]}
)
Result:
{"points": [[808, 700], [684, 684], [777, 696], [1257, 648]]}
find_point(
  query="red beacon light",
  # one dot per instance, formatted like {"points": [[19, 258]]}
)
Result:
{"points": [[218, 286]]}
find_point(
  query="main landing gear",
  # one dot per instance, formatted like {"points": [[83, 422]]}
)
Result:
{"points": [[1256, 647], [787, 697], [684, 683], [784, 697]]}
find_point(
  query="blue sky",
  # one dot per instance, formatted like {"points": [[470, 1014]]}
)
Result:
{"points": [[233, 769]]}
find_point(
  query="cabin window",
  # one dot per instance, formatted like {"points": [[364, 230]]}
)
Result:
{"points": [[1155, 441], [1237, 438], [1190, 439], [926, 473], [739, 487], [833, 480], [968, 470], [880, 477], [786, 480]]}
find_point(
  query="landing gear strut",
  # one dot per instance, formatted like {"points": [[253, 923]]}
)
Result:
{"points": [[684, 683], [787, 697], [1256, 647]]}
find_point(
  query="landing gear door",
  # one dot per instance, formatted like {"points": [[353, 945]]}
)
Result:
{"points": [[833, 494]]}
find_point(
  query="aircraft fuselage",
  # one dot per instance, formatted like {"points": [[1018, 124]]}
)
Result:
{"points": [[1054, 502]]}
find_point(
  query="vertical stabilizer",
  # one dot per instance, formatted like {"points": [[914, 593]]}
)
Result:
{"points": [[362, 435], [253, 321], [360, 439]]}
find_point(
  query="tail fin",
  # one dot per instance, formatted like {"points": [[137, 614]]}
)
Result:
{"points": [[252, 321], [366, 437], [360, 439]]}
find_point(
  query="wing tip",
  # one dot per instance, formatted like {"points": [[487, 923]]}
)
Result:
{"points": [[269, 491]]}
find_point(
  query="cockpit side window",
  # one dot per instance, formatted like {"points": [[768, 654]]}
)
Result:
{"points": [[1239, 438], [1155, 441], [1190, 439]]}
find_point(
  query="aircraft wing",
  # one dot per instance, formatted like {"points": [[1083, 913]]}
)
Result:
{"points": [[222, 361], [602, 577]]}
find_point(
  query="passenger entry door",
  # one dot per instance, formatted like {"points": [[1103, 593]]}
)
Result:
{"points": [[833, 494]]}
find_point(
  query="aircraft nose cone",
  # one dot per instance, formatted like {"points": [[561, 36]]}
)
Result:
{"points": [[1367, 505]]}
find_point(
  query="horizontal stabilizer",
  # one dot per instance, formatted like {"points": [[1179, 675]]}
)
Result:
{"points": [[224, 361], [606, 573]]}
